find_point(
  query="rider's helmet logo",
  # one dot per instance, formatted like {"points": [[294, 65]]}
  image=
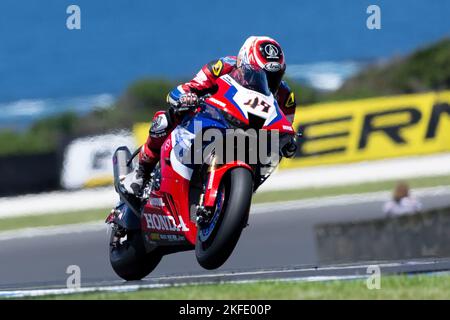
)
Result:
{"points": [[271, 51], [273, 66]]}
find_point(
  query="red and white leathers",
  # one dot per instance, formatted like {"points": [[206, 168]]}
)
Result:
{"points": [[204, 83]]}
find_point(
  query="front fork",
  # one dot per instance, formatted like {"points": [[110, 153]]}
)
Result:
{"points": [[208, 198]]}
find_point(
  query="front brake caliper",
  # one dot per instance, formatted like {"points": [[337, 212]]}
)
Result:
{"points": [[203, 214]]}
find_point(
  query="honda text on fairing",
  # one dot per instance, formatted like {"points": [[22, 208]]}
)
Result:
{"points": [[203, 205]]}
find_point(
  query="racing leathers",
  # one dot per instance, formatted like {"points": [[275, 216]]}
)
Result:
{"points": [[180, 100]]}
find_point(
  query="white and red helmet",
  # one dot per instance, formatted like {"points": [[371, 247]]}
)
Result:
{"points": [[265, 53]]}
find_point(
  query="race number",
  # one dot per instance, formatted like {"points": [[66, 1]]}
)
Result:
{"points": [[254, 103]]}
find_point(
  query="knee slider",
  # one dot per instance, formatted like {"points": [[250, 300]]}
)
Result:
{"points": [[160, 123]]}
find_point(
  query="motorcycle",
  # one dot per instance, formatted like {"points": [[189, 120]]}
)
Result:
{"points": [[199, 205]]}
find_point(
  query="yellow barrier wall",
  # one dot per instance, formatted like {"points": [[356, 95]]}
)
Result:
{"points": [[140, 131], [375, 128]]}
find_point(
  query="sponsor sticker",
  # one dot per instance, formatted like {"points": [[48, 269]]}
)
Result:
{"points": [[159, 222], [272, 66], [172, 237], [156, 202], [290, 102], [218, 102], [154, 236], [217, 68], [271, 51]]}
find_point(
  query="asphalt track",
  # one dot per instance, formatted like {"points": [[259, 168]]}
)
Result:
{"points": [[279, 243]]}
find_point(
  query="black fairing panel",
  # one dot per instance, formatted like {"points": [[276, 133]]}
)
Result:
{"points": [[127, 218]]}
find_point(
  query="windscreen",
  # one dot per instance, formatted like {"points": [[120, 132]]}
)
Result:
{"points": [[251, 78]]}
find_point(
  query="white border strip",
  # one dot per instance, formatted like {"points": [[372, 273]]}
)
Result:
{"points": [[190, 280], [360, 172], [133, 288], [261, 208]]}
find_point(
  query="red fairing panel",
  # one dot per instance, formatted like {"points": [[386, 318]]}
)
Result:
{"points": [[174, 191], [223, 100], [216, 177]]}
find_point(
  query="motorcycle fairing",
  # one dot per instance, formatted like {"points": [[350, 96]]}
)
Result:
{"points": [[158, 222], [233, 98], [176, 175]]}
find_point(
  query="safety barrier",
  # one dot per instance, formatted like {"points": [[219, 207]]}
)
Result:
{"points": [[29, 173], [421, 235], [368, 129]]}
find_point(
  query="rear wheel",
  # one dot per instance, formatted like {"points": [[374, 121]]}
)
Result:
{"points": [[217, 239], [128, 257]]}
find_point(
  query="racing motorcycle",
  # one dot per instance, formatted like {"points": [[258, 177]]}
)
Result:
{"points": [[202, 205]]}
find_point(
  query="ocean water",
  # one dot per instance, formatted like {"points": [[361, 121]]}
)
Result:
{"points": [[20, 113], [46, 68]]}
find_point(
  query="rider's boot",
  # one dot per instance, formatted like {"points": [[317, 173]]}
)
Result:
{"points": [[135, 180]]}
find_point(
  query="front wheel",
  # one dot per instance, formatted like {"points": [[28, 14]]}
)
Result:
{"points": [[217, 239]]}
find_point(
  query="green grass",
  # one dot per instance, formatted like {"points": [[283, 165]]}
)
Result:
{"points": [[262, 197], [53, 219], [286, 195], [392, 287]]}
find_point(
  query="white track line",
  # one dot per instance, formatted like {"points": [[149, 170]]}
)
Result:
{"points": [[132, 288], [343, 200], [359, 172], [44, 292], [293, 270], [191, 280]]}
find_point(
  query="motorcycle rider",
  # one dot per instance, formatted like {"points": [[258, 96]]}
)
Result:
{"points": [[261, 52]]}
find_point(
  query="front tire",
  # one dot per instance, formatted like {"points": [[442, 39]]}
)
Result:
{"points": [[129, 259], [213, 252]]}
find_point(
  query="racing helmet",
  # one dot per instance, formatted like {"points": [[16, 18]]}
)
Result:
{"points": [[265, 53]]}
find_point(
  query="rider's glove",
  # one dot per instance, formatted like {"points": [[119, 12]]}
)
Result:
{"points": [[289, 149], [187, 101]]}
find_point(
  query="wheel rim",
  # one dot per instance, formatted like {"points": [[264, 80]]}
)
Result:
{"points": [[207, 229]]}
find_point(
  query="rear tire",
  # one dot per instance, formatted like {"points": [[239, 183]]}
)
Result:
{"points": [[213, 253], [129, 259]]}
